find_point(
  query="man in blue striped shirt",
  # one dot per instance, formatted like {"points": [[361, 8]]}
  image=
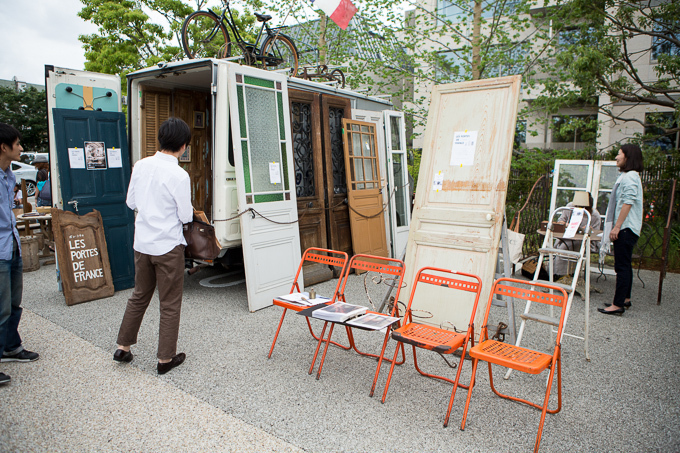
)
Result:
{"points": [[11, 266]]}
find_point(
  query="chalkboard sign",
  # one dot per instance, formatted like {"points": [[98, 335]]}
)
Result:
{"points": [[82, 255]]}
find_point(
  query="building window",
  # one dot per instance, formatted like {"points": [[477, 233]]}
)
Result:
{"points": [[504, 62], [576, 36], [666, 120], [460, 10], [574, 128], [663, 46], [450, 67], [520, 133]]}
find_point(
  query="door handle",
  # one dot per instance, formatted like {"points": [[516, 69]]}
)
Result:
{"points": [[74, 203], [490, 217]]}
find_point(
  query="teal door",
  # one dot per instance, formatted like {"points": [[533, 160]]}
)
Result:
{"points": [[94, 173]]}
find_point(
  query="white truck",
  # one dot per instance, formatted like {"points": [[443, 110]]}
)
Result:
{"points": [[267, 161]]}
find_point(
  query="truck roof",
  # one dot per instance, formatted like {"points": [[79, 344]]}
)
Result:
{"points": [[179, 67]]}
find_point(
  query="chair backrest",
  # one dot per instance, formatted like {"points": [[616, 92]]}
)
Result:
{"points": [[521, 289], [429, 275], [322, 256], [379, 264]]}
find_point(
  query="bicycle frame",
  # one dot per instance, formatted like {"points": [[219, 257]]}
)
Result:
{"points": [[237, 36]]}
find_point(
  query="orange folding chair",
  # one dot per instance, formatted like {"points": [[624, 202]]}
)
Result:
{"points": [[518, 358], [311, 255], [432, 338], [363, 263]]}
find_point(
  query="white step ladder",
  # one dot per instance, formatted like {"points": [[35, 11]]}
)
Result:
{"points": [[504, 269], [581, 258]]}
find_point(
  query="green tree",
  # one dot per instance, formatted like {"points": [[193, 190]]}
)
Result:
{"points": [[128, 39], [27, 111], [597, 56]]}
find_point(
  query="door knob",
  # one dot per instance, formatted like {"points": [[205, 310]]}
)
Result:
{"points": [[489, 217]]}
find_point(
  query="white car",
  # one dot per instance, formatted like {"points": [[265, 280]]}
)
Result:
{"points": [[27, 172]]}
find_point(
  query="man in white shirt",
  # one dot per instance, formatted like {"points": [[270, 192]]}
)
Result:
{"points": [[160, 190]]}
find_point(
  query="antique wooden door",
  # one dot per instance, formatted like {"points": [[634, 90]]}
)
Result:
{"points": [[260, 123], [364, 190], [305, 121], [103, 187], [333, 110], [462, 184]]}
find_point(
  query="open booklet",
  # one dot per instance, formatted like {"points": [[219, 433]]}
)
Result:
{"points": [[303, 299], [339, 312], [373, 321]]}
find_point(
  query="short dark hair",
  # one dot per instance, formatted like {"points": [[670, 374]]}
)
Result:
{"points": [[174, 133], [633, 155], [8, 134]]}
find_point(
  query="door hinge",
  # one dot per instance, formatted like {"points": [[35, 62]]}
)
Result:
{"points": [[213, 88]]}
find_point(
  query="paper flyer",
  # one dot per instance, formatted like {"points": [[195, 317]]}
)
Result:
{"points": [[463, 149], [574, 222], [76, 158], [438, 182], [274, 173], [115, 158]]}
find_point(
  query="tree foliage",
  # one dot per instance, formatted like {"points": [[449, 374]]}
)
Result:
{"points": [[601, 48], [128, 38], [26, 110]]}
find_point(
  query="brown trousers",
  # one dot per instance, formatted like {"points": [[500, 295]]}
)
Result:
{"points": [[166, 271]]}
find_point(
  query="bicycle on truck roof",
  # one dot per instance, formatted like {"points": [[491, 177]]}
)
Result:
{"points": [[205, 35]]}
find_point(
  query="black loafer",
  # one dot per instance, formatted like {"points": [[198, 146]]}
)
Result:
{"points": [[626, 305], [122, 356], [619, 311], [176, 361]]}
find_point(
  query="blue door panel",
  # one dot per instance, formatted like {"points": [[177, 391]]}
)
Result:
{"points": [[104, 190]]}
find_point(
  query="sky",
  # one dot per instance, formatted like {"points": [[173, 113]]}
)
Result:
{"points": [[40, 32]]}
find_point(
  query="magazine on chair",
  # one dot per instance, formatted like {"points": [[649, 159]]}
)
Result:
{"points": [[373, 321], [339, 312]]}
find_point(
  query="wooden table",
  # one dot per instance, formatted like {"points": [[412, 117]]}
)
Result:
{"points": [[45, 222]]}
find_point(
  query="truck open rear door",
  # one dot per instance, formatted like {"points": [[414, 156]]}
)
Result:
{"points": [[263, 151]]}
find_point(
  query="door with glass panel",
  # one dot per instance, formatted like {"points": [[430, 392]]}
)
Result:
{"points": [[364, 194], [333, 110], [260, 122], [398, 182], [570, 176], [305, 111]]}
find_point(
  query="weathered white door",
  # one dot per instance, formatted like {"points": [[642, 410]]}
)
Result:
{"points": [[260, 125], [462, 184], [397, 180]]}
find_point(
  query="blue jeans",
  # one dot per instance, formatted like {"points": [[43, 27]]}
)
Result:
{"points": [[11, 289]]}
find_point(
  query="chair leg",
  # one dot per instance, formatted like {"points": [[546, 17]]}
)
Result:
{"points": [[389, 375], [325, 350], [455, 386], [469, 395], [283, 315], [318, 345], [311, 331], [545, 405]]}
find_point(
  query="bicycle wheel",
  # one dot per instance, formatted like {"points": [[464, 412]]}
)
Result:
{"points": [[203, 36], [279, 51], [337, 74]]}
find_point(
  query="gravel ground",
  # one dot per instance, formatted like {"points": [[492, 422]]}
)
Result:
{"points": [[229, 396]]}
